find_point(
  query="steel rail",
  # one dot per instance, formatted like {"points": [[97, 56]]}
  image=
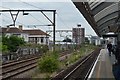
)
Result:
{"points": [[89, 56], [16, 68]]}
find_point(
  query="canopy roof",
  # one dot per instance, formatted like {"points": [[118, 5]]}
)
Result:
{"points": [[102, 16]]}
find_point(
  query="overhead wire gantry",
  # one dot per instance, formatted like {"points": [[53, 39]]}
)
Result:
{"points": [[14, 18]]}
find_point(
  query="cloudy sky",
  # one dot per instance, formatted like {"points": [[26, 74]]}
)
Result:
{"points": [[67, 16]]}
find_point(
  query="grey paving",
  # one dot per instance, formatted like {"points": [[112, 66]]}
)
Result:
{"points": [[103, 67]]}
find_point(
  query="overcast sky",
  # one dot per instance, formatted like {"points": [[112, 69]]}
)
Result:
{"points": [[67, 16]]}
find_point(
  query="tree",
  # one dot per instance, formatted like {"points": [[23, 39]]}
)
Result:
{"points": [[3, 48], [67, 40], [12, 42]]}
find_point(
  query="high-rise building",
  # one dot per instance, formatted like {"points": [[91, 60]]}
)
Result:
{"points": [[78, 35]]}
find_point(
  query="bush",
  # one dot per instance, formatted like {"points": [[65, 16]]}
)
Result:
{"points": [[48, 63], [43, 48]]}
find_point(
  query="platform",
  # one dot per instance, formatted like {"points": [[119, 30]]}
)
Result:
{"points": [[103, 66]]}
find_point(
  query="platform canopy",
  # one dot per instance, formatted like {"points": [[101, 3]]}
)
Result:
{"points": [[102, 15]]}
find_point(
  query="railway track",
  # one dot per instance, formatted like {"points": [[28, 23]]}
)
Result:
{"points": [[33, 56], [80, 70], [25, 57], [12, 69]]}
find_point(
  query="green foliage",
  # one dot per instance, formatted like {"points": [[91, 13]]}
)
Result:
{"points": [[84, 49], [74, 57], [0, 46], [5, 40], [48, 63], [0, 38], [12, 42], [54, 54], [3, 48], [43, 48]]}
